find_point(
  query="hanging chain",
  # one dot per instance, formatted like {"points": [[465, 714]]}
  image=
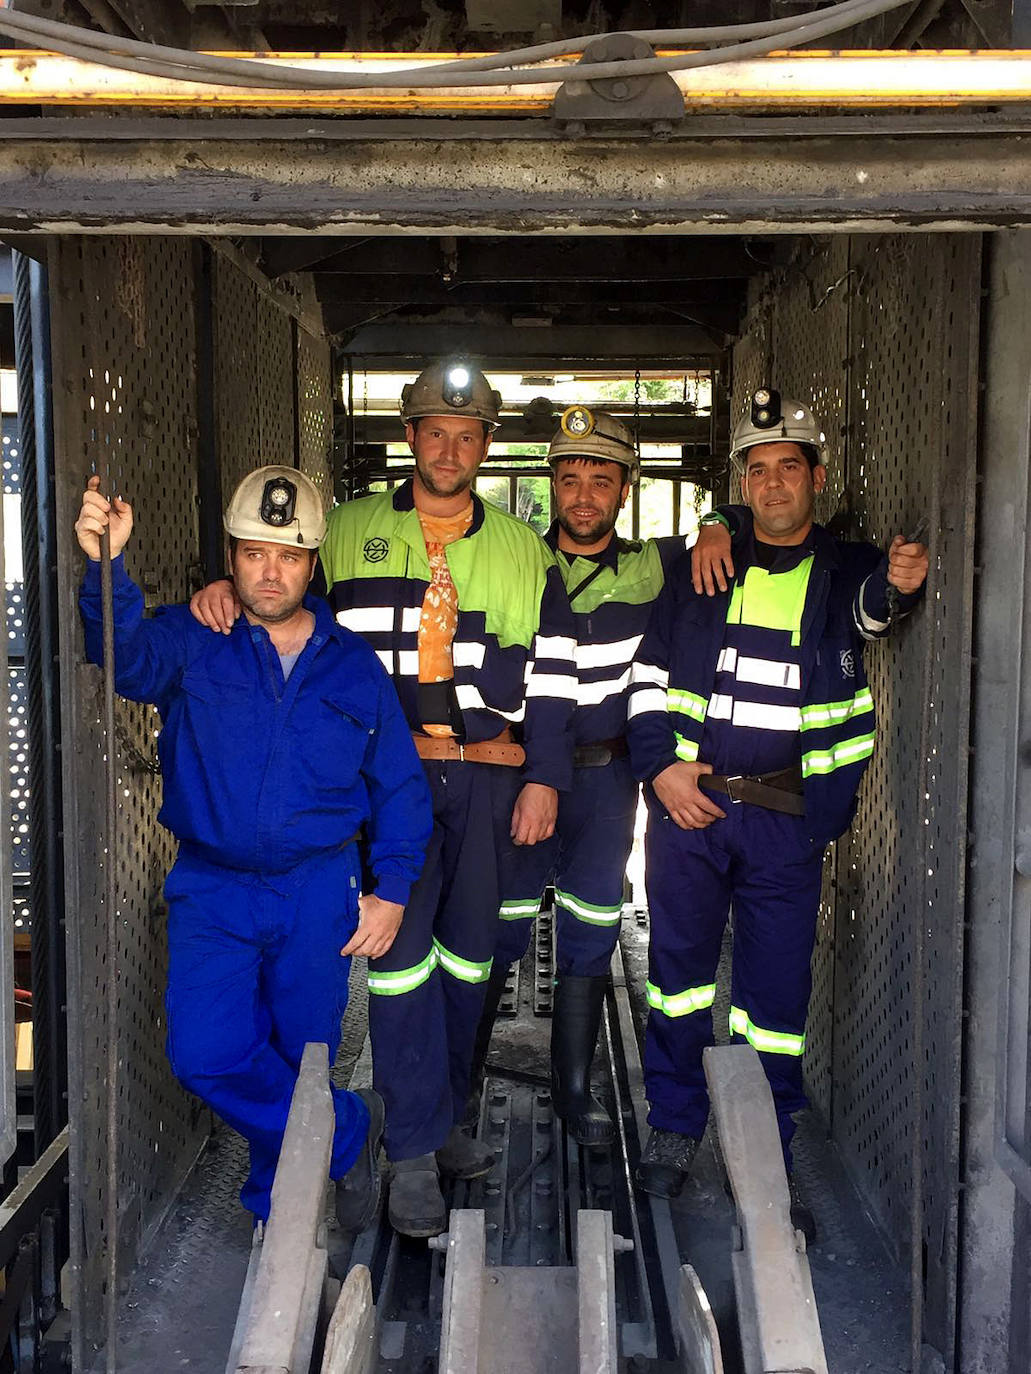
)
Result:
{"points": [[637, 413]]}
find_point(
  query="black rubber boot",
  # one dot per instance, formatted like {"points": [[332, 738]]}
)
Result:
{"points": [[666, 1162], [484, 1031], [575, 1018], [416, 1205]]}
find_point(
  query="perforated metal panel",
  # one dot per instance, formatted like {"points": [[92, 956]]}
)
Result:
{"points": [[881, 332], [315, 412], [123, 325]]}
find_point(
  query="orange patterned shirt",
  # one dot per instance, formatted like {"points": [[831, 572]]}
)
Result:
{"points": [[439, 619]]}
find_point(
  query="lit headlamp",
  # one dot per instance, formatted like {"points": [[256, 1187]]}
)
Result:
{"points": [[457, 380], [278, 501], [765, 408], [577, 422]]}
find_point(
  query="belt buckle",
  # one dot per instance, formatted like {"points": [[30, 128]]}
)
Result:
{"points": [[737, 777], [461, 753]]}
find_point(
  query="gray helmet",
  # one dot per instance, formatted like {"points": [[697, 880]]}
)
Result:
{"points": [[585, 433], [451, 386], [770, 420], [277, 505]]}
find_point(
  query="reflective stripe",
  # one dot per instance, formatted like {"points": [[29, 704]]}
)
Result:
{"points": [[519, 908], [593, 693], [681, 1003], [648, 672], [727, 661], [552, 685], [645, 699], [554, 646], [754, 715], [470, 655], [615, 655], [816, 717], [404, 980], [838, 756], [407, 661], [772, 1042], [587, 911], [767, 672], [721, 706], [687, 749], [378, 619], [863, 620], [687, 703], [461, 968]]}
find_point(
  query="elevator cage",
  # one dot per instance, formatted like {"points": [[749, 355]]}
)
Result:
{"points": [[177, 368]]}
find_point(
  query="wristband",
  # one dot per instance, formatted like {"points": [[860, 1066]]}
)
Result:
{"points": [[713, 517]]}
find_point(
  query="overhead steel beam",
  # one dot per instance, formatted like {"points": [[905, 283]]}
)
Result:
{"points": [[99, 182], [525, 346]]}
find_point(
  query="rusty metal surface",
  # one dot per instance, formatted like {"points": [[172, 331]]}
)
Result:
{"points": [[492, 183]]}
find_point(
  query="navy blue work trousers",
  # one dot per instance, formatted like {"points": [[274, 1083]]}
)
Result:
{"points": [[426, 993], [762, 864], [586, 858], [254, 974]]}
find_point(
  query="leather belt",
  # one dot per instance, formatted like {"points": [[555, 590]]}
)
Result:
{"points": [[775, 791], [598, 755], [501, 749]]}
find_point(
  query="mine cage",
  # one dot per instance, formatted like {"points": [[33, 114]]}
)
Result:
{"points": [[183, 296]]}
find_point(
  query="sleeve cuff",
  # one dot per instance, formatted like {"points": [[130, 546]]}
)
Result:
{"points": [[391, 888]]}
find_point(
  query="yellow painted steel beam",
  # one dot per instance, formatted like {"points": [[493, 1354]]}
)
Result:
{"points": [[780, 81]]}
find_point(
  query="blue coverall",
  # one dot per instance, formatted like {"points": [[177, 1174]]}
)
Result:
{"points": [[266, 784]]}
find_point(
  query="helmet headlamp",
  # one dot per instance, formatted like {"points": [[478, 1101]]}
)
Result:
{"points": [[765, 408], [277, 502], [457, 392], [577, 422]]}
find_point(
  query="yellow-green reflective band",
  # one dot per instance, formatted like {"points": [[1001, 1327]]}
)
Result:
{"points": [[585, 911], [687, 703], [772, 1042], [681, 1003], [518, 910], [404, 980], [838, 756], [687, 749], [817, 717], [461, 968]]}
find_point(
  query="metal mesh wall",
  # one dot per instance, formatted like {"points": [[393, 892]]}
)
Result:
{"points": [[315, 412], [124, 334], [882, 332]]}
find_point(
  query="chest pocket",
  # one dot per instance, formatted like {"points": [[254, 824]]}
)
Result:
{"points": [[328, 740]]}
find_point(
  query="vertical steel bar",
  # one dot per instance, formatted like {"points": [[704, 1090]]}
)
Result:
{"points": [[111, 941]]}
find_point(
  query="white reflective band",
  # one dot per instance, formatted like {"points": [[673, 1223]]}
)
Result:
{"points": [[407, 661], [468, 655], [592, 693], [386, 658], [721, 706], [552, 685], [469, 698], [646, 699], [519, 910], [755, 716], [365, 620], [769, 673], [687, 749], [553, 646], [585, 911], [816, 717], [865, 621], [615, 655], [648, 672], [828, 761], [727, 661]]}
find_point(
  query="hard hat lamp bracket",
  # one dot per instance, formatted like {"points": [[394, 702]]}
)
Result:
{"points": [[278, 501], [766, 408]]}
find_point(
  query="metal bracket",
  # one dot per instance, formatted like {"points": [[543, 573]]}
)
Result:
{"points": [[656, 100]]}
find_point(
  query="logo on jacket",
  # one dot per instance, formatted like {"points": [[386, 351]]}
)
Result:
{"points": [[376, 550], [848, 663]]}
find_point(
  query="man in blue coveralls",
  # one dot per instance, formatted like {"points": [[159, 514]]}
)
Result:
{"points": [[280, 742], [611, 584], [752, 722]]}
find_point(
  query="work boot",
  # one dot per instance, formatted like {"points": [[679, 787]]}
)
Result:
{"points": [[801, 1217], [575, 1018], [491, 1001], [357, 1193], [666, 1162], [416, 1206], [461, 1156]]}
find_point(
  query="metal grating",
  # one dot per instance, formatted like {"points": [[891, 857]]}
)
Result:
{"points": [[881, 332], [124, 338], [315, 412]]}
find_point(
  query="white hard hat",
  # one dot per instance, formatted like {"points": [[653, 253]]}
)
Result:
{"points": [[277, 505], [770, 420], [585, 433]]}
